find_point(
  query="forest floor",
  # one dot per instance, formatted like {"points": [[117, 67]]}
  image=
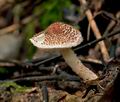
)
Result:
{"points": [[28, 74]]}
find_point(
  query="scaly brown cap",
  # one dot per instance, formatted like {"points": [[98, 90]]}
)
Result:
{"points": [[57, 35]]}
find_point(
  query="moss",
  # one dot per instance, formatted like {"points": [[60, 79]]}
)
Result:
{"points": [[13, 87], [29, 30]]}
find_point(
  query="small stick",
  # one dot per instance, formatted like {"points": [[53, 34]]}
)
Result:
{"points": [[96, 32], [45, 93], [16, 26], [59, 77], [9, 29]]}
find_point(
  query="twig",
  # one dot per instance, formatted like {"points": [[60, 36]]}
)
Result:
{"points": [[90, 60], [16, 26], [117, 31], [44, 93], [96, 32], [9, 29], [9, 63], [45, 78], [109, 27], [6, 64], [88, 32], [112, 23]]}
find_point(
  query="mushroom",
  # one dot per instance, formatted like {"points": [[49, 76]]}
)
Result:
{"points": [[62, 37]]}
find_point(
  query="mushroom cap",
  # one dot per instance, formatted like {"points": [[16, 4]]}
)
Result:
{"points": [[57, 35]]}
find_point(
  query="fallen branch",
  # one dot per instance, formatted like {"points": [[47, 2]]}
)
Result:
{"points": [[45, 78]]}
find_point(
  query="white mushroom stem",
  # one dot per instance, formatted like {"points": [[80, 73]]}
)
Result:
{"points": [[77, 66]]}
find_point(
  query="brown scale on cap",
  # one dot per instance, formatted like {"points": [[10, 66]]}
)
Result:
{"points": [[60, 33]]}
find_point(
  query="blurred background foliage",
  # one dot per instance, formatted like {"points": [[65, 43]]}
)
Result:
{"points": [[51, 11]]}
